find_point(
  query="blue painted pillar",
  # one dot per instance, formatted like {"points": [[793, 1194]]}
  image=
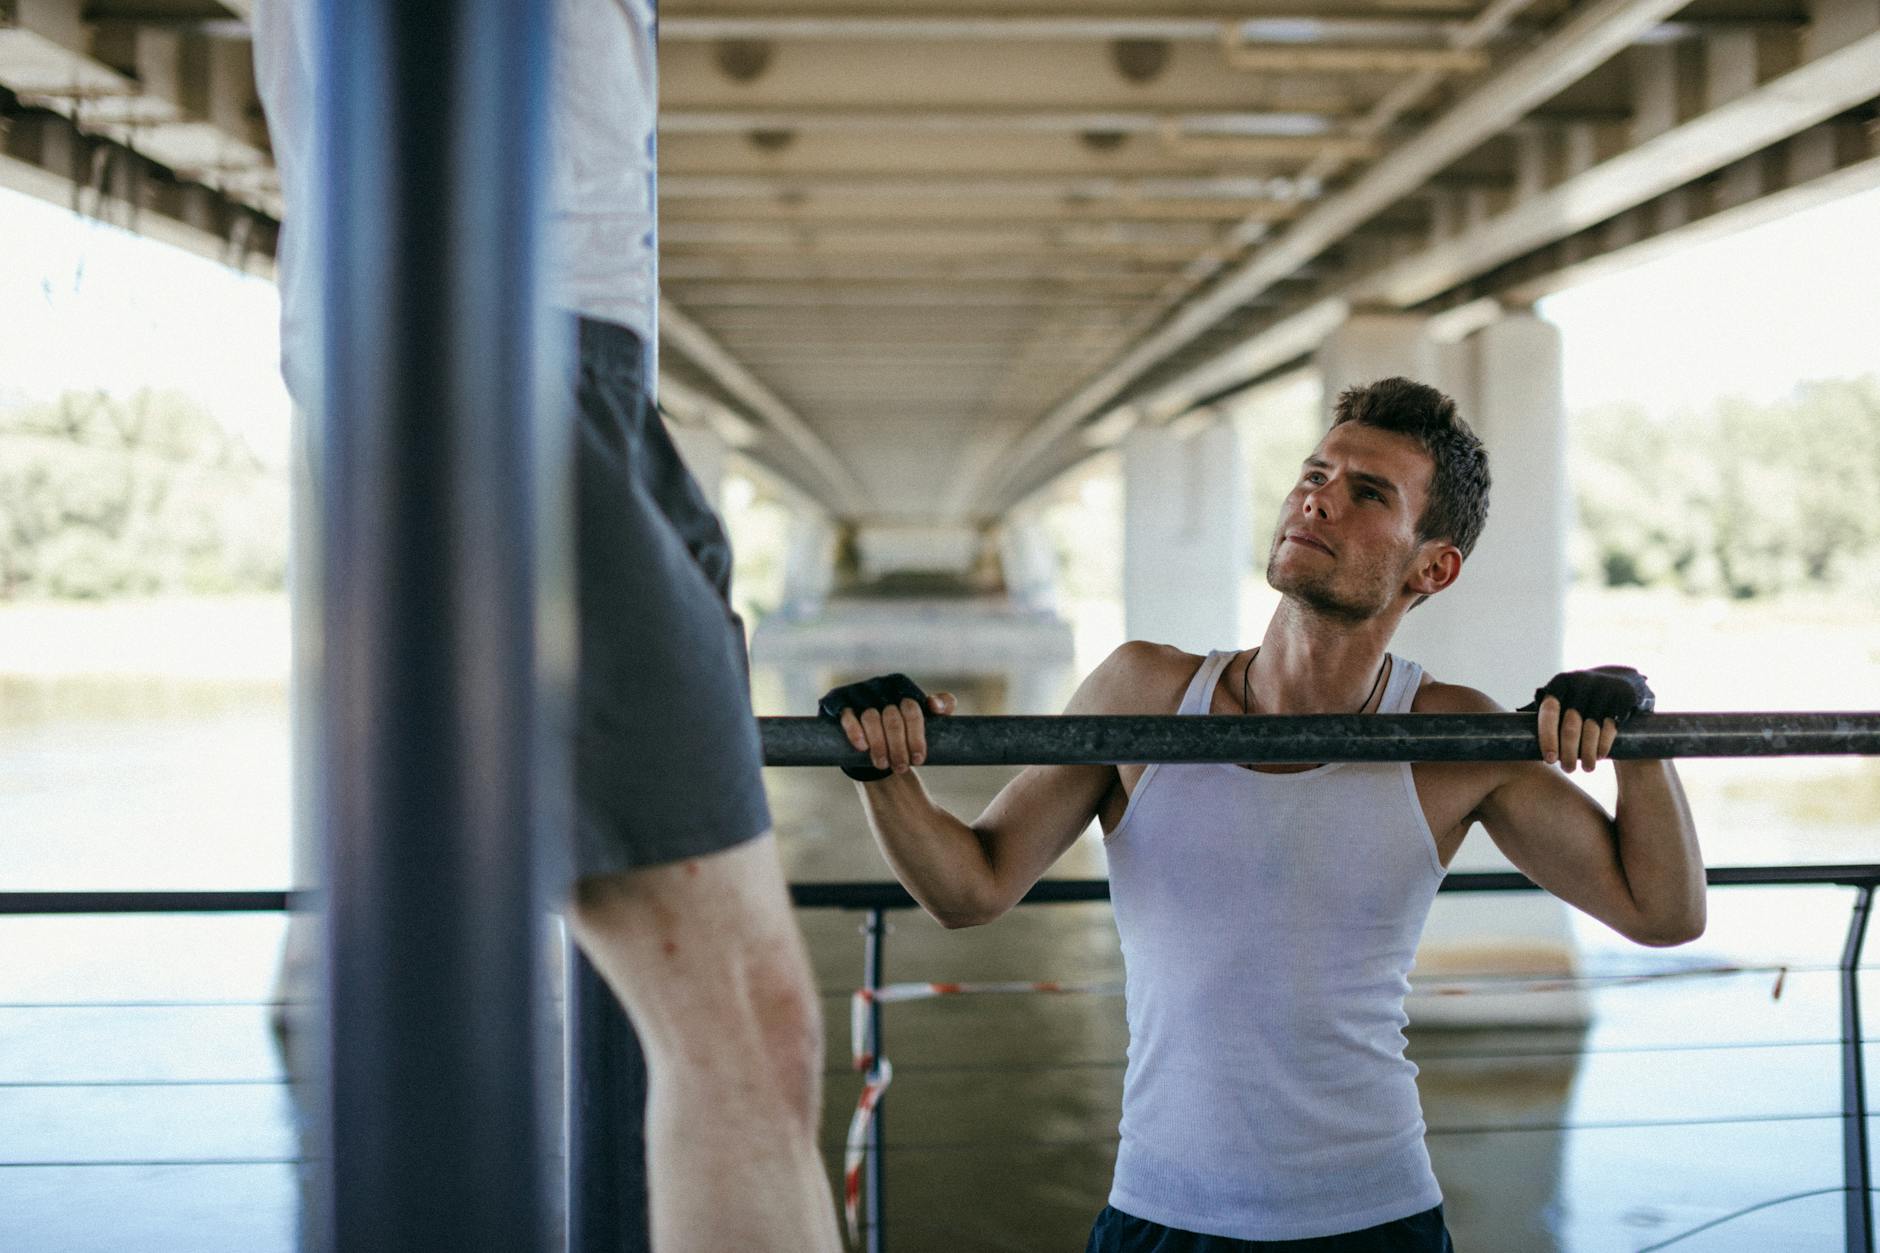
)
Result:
{"points": [[431, 756]]}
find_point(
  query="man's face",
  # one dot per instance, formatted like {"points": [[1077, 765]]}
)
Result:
{"points": [[1347, 534]]}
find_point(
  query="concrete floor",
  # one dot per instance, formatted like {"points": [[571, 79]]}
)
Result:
{"points": [[150, 1112]]}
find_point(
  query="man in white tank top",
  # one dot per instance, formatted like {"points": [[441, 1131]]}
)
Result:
{"points": [[1269, 915]]}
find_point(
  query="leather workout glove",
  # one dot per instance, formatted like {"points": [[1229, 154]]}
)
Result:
{"points": [[1598, 694], [877, 693]]}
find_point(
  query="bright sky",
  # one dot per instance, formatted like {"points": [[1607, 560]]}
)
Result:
{"points": [[1750, 314], [85, 306]]}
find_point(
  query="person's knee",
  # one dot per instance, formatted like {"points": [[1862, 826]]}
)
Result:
{"points": [[709, 962], [762, 1029], [757, 1031], [791, 1027]]}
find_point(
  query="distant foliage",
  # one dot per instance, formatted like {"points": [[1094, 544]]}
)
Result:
{"points": [[105, 497], [1741, 499]]}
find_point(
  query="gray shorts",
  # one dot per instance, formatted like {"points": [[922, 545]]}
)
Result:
{"points": [[667, 757]]}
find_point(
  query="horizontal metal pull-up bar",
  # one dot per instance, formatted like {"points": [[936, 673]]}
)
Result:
{"points": [[1076, 739], [862, 895]]}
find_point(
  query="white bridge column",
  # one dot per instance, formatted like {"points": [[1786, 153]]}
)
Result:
{"points": [[1372, 346], [1500, 628], [1185, 536], [1028, 562], [704, 454], [809, 562]]}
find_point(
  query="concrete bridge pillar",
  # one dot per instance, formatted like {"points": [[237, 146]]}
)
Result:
{"points": [[1501, 627], [1185, 535], [705, 455], [1372, 346], [1028, 562], [809, 563]]}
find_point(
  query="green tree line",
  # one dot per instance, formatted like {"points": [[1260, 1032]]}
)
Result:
{"points": [[1739, 499], [146, 495]]}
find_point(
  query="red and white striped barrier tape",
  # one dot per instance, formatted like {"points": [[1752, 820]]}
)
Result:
{"points": [[879, 1073], [894, 993], [879, 1077]]}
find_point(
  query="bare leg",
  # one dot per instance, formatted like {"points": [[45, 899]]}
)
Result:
{"points": [[712, 970]]}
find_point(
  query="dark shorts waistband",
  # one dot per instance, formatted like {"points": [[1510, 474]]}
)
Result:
{"points": [[1118, 1232]]}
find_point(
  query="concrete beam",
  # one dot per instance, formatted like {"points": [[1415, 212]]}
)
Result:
{"points": [[896, 212], [1301, 27], [43, 154], [1584, 41], [1846, 181], [967, 272], [199, 112], [184, 98], [895, 296], [45, 56], [680, 330], [966, 28], [1746, 124], [1834, 24], [1309, 58], [691, 407], [1273, 134], [909, 185], [1673, 225], [1391, 110], [1068, 153], [944, 75], [1138, 240]]}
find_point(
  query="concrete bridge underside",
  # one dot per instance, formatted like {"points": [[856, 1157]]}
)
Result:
{"points": [[985, 239]]}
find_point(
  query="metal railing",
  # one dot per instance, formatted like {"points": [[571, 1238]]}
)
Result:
{"points": [[875, 901], [1076, 740]]}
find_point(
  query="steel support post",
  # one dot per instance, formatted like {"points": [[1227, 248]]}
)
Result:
{"points": [[609, 1207], [432, 116], [874, 958], [607, 1198], [1858, 1164]]}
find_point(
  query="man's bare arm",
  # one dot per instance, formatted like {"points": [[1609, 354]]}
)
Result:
{"points": [[962, 874], [1639, 872]]}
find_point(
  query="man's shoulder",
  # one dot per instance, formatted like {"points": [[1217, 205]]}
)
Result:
{"points": [[1140, 677], [1436, 697], [1146, 661]]}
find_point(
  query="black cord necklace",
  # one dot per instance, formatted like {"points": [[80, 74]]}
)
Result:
{"points": [[1246, 682]]}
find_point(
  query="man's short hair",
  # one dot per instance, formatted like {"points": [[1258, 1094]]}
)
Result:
{"points": [[1457, 506]]}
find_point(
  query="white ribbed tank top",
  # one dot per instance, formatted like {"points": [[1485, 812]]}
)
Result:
{"points": [[601, 208], [1269, 923]]}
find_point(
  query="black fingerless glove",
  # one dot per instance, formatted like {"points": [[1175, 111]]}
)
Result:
{"points": [[877, 693], [1597, 694]]}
